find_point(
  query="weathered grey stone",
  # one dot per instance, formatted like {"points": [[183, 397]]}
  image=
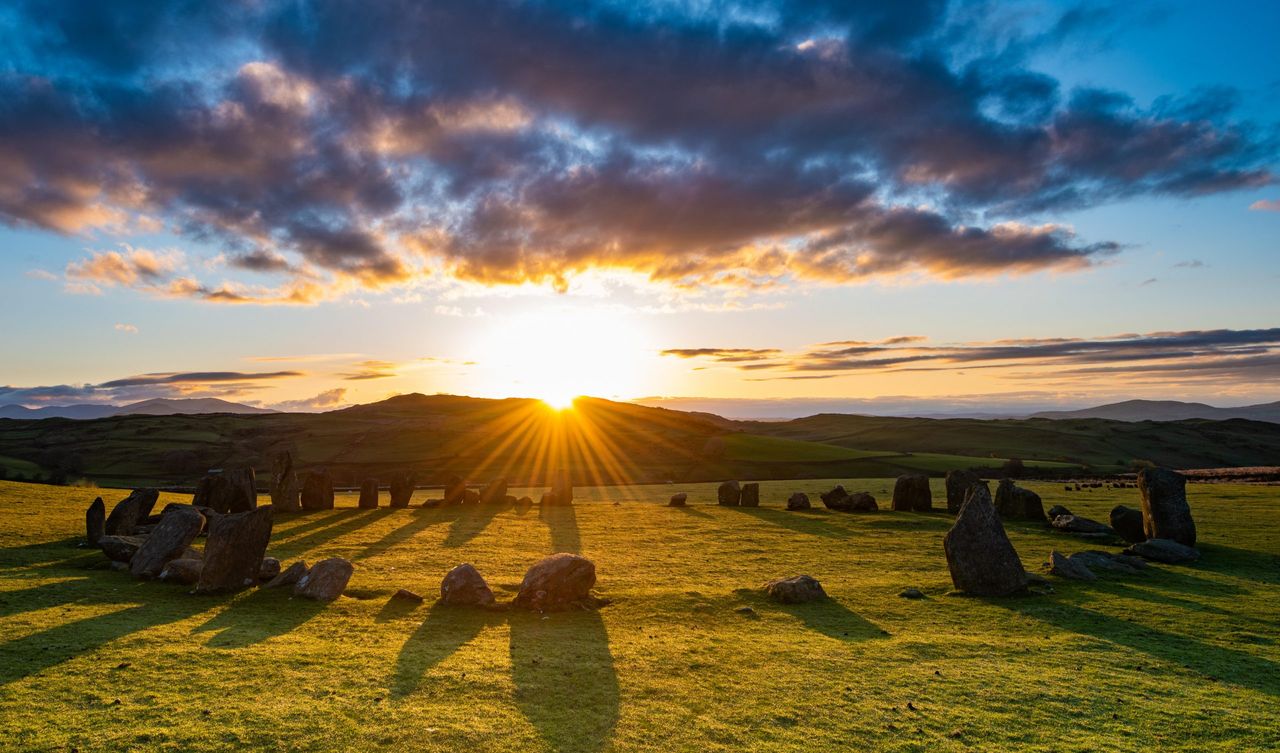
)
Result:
{"points": [[235, 548], [911, 492], [798, 589], [1165, 512], [291, 575], [798, 501], [862, 502], [1128, 522], [326, 580], [911, 593], [678, 499], [464, 586], [750, 495], [131, 512], [182, 570], [1080, 525], [729, 494], [402, 489], [839, 499], [95, 522], [231, 490], [317, 490], [836, 499], [405, 595], [958, 483], [1167, 551], [1057, 510], [979, 554], [1067, 567], [1016, 503], [177, 528], [368, 494], [269, 569], [1098, 561], [284, 484], [120, 548], [558, 582]]}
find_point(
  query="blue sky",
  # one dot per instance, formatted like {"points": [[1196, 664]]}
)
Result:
{"points": [[258, 188]]}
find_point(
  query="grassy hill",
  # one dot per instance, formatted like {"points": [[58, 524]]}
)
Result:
{"points": [[599, 442]]}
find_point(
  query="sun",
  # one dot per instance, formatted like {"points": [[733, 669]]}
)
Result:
{"points": [[561, 353]]}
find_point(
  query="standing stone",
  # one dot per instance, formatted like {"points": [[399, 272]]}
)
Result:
{"points": [[284, 484], [326, 580], [402, 489], [562, 487], [750, 496], [455, 490], [464, 586], [979, 554], [862, 502], [1128, 523], [836, 499], [317, 490], [678, 499], [557, 582], [494, 492], [958, 483], [369, 494], [130, 512], [799, 589], [911, 493], [729, 494], [177, 528], [232, 490], [798, 501], [1165, 512], [233, 554], [1015, 503], [95, 522]]}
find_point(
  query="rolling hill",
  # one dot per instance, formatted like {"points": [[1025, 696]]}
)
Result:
{"points": [[153, 407], [1167, 410]]}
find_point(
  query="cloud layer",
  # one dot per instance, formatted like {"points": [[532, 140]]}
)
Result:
{"points": [[327, 146]]}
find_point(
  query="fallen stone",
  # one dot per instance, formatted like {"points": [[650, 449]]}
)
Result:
{"points": [[177, 528], [729, 494], [979, 554], [911, 493], [326, 580], [289, 576], [464, 586], [1167, 551], [744, 610], [911, 593], [406, 595], [317, 490], [120, 548], [798, 589], [1106, 561], [269, 569], [750, 496], [368, 494], [233, 554], [798, 501], [130, 512], [558, 582], [862, 502], [957, 483], [1016, 503], [1057, 510], [678, 499], [183, 570], [1165, 512], [1078, 525], [1127, 522], [402, 489], [1066, 567], [95, 522]]}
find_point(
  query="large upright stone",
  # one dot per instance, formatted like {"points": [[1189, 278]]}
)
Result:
{"points": [[558, 582], [958, 483], [494, 492], [369, 494], [232, 490], [178, 527], [95, 522], [317, 490], [562, 487], [233, 554], [464, 586], [455, 491], [979, 554], [284, 484], [1015, 503], [131, 512], [402, 489], [750, 496], [729, 494], [911, 492], [1165, 512], [1128, 522]]}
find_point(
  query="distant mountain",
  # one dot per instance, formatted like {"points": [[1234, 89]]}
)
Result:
{"points": [[155, 407], [1167, 410]]}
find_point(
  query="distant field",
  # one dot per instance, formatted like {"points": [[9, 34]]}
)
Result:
{"points": [[1181, 659]]}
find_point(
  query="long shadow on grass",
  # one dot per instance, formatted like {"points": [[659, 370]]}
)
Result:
{"points": [[912, 521], [563, 522], [812, 523], [420, 520], [692, 512], [310, 521], [40, 553], [471, 522], [263, 614], [566, 684], [354, 522], [443, 632], [1261, 567], [827, 616], [1226, 664]]}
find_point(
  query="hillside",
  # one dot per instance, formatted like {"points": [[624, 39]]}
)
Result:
{"points": [[599, 442], [153, 407], [1168, 410]]}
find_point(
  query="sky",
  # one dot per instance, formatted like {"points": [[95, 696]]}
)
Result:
{"points": [[908, 207]]}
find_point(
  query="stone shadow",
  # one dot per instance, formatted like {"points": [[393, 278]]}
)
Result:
{"points": [[563, 522], [420, 520], [812, 523], [828, 616], [322, 535], [472, 520], [442, 633], [264, 613]]}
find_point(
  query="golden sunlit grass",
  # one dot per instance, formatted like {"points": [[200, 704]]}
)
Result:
{"points": [[1185, 658]]}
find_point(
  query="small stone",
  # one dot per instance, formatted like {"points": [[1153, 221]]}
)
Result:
{"points": [[464, 586], [1066, 567], [798, 501], [326, 580], [911, 593], [798, 589], [407, 595], [1167, 551], [745, 610], [289, 576], [678, 499]]}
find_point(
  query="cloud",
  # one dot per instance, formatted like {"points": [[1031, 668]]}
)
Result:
{"points": [[227, 384], [198, 377], [1148, 281], [1190, 264], [1265, 205], [126, 328], [41, 274], [327, 400], [724, 355], [366, 370], [336, 147]]}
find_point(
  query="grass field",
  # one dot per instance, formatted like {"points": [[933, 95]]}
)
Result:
{"points": [[1182, 658]]}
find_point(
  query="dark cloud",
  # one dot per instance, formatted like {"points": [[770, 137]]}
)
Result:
{"points": [[327, 400], [340, 144], [198, 377], [146, 386]]}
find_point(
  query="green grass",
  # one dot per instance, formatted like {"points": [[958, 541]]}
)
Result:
{"points": [[15, 466], [752, 447], [1180, 659]]}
